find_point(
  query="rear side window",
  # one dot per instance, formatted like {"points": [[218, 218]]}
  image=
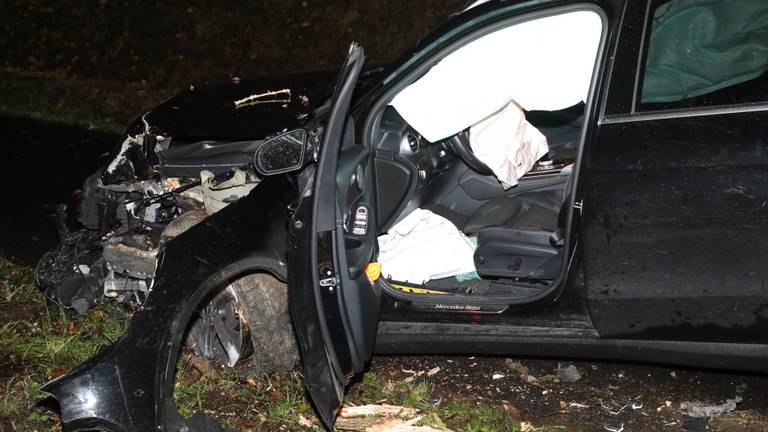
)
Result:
{"points": [[706, 53]]}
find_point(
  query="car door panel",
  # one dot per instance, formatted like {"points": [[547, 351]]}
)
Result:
{"points": [[677, 228], [674, 220], [335, 311], [324, 378]]}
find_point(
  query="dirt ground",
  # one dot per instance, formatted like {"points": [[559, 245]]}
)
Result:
{"points": [[608, 395]]}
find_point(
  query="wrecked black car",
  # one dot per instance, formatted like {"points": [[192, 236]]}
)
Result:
{"points": [[555, 178]]}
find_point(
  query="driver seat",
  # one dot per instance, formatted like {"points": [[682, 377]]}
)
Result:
{"points": [[529, 210], [521, 236]]}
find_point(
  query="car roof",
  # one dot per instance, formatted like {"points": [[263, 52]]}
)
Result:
{"points": [[475, 3], [472, 4]]}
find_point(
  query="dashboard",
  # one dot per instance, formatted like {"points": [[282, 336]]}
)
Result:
{"points": [[398, 138], [405, 165]]}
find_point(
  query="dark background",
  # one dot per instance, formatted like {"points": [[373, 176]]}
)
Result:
{"points": [[100, 64], [166, 45]]}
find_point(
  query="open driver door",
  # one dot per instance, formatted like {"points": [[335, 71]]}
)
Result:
{"points": [[332, 238]]}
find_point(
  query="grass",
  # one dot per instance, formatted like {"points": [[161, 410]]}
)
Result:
{"points": [[277, 401], [264, 403], [456, 415], [38, 343]]}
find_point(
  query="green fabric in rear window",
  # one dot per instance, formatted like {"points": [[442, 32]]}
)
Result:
{"points": [[699, 47]]}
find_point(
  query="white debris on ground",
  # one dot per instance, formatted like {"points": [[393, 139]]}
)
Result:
{"points": [[433, 371], [568, 373], [303, 421], [382, 418], [695, 409], [521, 370], [379, 410], [397, 425], [414, 374]]}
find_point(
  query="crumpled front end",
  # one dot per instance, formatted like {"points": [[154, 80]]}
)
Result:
{"points": [[177, 165], [129, 386], [147, 195], [179, 213]]}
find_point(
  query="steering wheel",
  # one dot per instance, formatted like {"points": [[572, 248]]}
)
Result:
{"points": [[460, 144]]}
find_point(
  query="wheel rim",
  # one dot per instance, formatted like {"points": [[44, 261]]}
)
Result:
{"points": [[221, 333]]}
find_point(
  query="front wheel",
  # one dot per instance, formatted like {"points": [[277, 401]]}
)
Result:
{"points": [[248, 326], [264, 304]]}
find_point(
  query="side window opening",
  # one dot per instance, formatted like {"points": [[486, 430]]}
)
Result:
{"points": [[706, 53], [544, 64], [488, 136]]}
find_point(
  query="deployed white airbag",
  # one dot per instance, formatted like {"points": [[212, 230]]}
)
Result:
{"points": [[424, 246], [543, 64], [508, 144]]}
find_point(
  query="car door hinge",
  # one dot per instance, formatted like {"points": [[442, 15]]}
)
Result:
{"points": [[579, 205]]}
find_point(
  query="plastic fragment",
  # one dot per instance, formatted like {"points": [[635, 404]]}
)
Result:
{"points": [[568, 374], [694, 409]]}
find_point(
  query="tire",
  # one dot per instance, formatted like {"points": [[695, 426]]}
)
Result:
{"points": [[264, 302]]}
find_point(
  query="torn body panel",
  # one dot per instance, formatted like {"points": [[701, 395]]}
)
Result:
{"points": [[129, 386], [174, 169], [178, 164]]}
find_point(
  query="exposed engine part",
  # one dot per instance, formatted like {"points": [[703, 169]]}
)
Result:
{"points": [[129, 210], [126, 226], [125, 289], [127, 207], [70, 274], [132, 254], [131, 221]]}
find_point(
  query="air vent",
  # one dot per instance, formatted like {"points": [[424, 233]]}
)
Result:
{"points": [[413, 142], [409, 143]]}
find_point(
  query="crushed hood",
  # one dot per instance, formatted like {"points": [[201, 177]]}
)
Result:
{"points": [[209, 112]]}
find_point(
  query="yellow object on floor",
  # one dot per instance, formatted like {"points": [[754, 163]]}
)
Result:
{"points": [[415, 290]]}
